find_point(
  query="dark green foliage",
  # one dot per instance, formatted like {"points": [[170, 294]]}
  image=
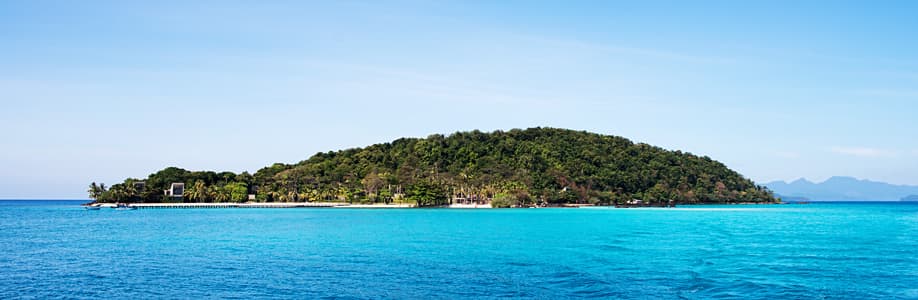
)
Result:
{"points": [[536, 165], [427, 193], [503, 200]]}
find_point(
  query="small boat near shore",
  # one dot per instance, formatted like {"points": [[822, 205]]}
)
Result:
{"points": [[122, 206], [635, 203], [91, 207]]}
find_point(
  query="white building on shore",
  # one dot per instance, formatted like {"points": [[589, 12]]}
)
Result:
{"points": [[176, 190]]}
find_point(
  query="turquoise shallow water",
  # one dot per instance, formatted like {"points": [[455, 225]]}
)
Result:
{"points": [[836, 251]]}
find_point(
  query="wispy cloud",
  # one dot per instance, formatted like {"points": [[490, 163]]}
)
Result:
{"points": [[863, 151]]}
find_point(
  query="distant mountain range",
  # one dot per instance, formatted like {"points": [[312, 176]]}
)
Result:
{"points": [[844, 189]]}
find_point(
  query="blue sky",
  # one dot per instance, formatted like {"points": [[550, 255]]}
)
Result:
{"points": [[100, 91]]}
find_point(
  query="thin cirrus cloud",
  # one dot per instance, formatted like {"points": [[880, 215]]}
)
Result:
{"points": [[863, 151]]}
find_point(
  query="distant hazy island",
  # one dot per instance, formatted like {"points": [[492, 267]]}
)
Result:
{"points": [[910, 198], [842, 188], [516, 168], [792, 198]]}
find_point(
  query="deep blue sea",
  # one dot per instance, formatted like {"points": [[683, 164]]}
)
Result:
{"points": [[821, 250]]}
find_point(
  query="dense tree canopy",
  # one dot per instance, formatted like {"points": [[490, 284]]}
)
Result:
{"points": [[520, 167]]}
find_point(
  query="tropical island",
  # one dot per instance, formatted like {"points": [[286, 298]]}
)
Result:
{"points": [[516, 168]]}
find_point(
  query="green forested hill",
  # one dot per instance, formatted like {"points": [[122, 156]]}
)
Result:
{"points": [[536, 165]]}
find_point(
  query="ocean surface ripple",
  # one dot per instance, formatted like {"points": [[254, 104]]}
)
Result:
{"points": [[824, 250]]}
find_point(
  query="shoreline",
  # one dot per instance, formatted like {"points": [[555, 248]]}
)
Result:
{"points": [[227, 205], [254, 205], [362, 206]]}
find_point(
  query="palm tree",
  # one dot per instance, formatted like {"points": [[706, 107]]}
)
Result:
{"points": [[119, 193], [104, 193], [313, 195], [282, 196], [94, 192], [197, 192], [219, 194], [343, 194], [273, 195], [190, 193], [129, 193]]}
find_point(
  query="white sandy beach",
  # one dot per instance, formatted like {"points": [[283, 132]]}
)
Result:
{"points": [[470, 206], [282, 205]]}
